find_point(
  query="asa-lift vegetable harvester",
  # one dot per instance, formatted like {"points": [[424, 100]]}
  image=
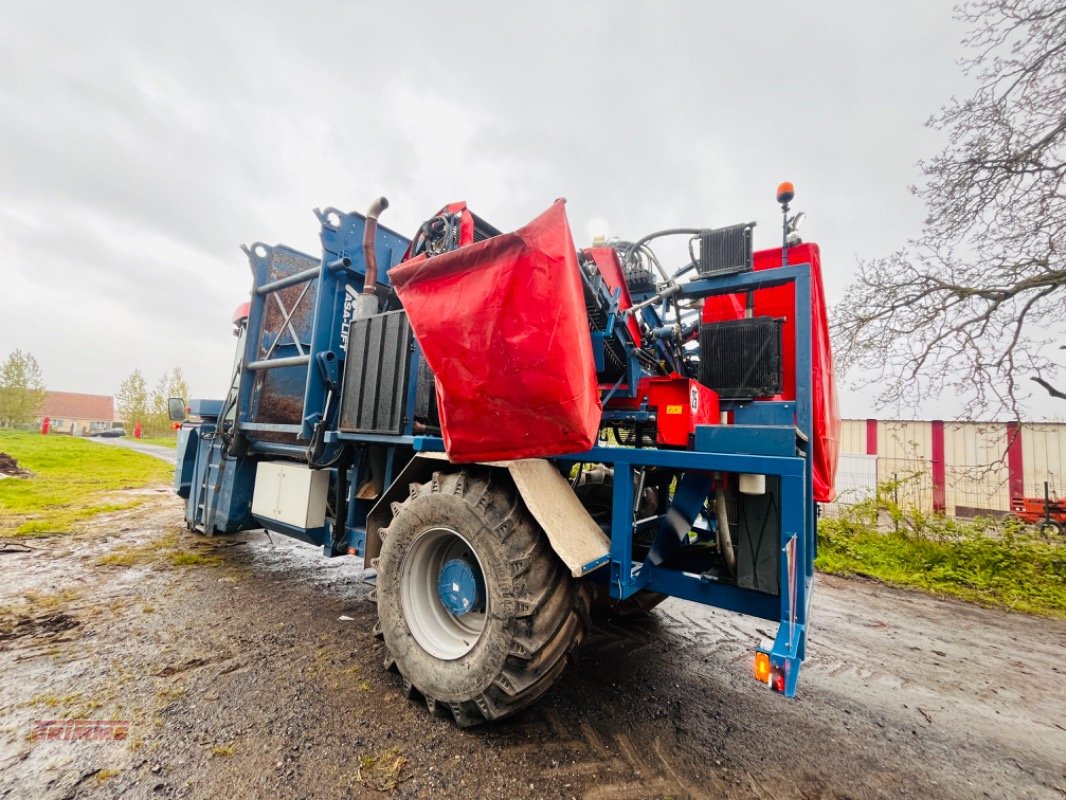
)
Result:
{"points": [[516, 434]]}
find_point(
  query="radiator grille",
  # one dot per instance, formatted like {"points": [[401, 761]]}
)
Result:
{"points": [[375, 375], [426, 395], [741, 358], [726, 250]]}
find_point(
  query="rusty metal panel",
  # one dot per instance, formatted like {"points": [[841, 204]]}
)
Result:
{"points": [[288, 317]]}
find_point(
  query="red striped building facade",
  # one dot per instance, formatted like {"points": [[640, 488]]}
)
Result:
{"points": [[958, 468]]}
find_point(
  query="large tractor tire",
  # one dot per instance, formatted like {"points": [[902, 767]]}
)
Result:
{"points": [[478, 614]]}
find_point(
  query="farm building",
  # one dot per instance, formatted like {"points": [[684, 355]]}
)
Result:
{"points": [[958, 468], [77, 413]]}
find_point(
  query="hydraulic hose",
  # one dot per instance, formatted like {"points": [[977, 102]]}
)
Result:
{"points": [[725, 540], [340, 502], [668, 232]]}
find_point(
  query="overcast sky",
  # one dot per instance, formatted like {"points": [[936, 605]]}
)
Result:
{"points": [[141, 143]]}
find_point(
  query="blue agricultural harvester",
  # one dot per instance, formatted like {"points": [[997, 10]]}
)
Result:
{"points": [[516, 435]]}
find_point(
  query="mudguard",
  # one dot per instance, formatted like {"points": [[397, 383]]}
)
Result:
{"points": [[572, 533]]}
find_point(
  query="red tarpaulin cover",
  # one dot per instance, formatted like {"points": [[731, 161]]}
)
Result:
{"points": [[780, 302], [502, 323]]}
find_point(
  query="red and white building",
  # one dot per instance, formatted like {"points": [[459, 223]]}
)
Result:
{"points": [[958, 468]]}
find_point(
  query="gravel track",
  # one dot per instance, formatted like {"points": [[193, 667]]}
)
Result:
{"points": [[240, 678]]}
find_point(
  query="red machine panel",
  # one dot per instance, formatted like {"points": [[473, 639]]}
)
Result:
{"points": [[780, 302], [503, 325], [680, 404]]}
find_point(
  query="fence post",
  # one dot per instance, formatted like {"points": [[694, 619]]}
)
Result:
{"points": [[895, 501]]}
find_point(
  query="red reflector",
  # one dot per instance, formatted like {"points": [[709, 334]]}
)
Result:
{"points": [[777, 682]]}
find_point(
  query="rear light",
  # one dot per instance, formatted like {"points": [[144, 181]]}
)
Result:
{"points": [[762, 667], [767, 673], [777, 680]]}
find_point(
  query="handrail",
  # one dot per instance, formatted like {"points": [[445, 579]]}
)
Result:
{"points": [[275, 363]]}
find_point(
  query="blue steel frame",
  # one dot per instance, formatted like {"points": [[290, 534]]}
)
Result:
{"points": [[337, 278]]}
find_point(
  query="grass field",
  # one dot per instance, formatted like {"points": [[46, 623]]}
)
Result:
{"points": [[981, 561], [72, 480], [162, 441]]}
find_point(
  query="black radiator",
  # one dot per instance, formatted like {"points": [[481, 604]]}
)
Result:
{"points": [[375, 375], [741, 358], [726, 250]]}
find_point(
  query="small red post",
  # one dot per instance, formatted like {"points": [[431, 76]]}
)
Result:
{"points": [[136, 430], [46, 424], [871, 437]]}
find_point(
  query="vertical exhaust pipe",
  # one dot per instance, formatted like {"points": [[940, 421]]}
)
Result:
{"points": [[367, 304]]}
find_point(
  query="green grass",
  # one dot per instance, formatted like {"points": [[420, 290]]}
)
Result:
{"points": [[995, 564], [72, 480], [161, 441], [187, 559]]}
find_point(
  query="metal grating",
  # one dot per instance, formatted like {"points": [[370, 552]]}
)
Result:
{"points": [[726, 250], [741, 358], [483, 230], [426, 395], [375, 375], [614, 352]]}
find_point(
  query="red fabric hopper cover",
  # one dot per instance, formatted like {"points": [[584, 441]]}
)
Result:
{"points": [[780, 302], [503, 325]]}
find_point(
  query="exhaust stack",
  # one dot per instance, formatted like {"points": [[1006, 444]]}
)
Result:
{"points": [[367, 304]]}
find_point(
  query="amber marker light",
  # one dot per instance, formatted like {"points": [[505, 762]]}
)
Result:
{"points": [[785, 192], [762, 666]]}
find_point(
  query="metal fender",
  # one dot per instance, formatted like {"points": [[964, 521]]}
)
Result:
{"points": [[572, 532]]}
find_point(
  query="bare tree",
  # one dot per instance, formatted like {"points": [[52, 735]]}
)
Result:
{"points": [[972, 305]]}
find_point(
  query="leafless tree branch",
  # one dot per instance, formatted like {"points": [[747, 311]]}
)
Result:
{"points": [[1051, 390], [972, 304]]}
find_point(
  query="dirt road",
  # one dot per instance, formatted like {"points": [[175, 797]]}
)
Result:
{"points": [[246, 667], [168, 454]]}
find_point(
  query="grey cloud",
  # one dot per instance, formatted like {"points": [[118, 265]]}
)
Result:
{"points": [[195, 127]]}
